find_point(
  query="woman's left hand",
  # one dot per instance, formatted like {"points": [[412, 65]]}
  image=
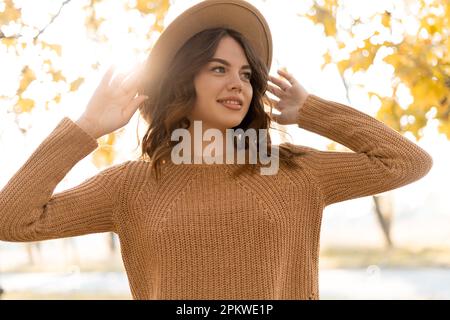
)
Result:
{"points": [[292, 96]]}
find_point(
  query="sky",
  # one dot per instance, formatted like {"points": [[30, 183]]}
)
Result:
{"points": [[298, 45]]}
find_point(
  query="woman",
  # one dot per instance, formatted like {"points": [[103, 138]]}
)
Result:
{"points": [[208, 231]]}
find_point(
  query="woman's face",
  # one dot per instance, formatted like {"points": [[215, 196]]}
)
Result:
{"points": [[218, 80]]}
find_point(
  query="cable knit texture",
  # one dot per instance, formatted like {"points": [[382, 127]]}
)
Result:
{"points": [[200, 233]]}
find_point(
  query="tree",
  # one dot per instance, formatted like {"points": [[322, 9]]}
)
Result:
{"points": [[30, 39], [411, 37]]}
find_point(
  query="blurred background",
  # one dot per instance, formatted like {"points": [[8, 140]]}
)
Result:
{"points": [[389, 59]]}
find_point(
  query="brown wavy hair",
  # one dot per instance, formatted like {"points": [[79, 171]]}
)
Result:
{"points": [[176, 96]]}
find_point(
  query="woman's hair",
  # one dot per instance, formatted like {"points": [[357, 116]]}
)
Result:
{"points": [[175, 99]]}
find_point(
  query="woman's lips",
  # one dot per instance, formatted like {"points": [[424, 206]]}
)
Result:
{"points": [[231, 106]]}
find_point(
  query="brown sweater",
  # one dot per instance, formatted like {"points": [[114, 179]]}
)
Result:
{"points": [[200, 233]]}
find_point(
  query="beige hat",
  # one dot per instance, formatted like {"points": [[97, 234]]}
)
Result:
{"points": [[238, 15]]}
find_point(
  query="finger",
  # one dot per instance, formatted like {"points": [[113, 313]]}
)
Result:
{"points": [[131, 108], [118, 79], [276, 104], [280, 83], [288, 76], [107, 76], [274, 90], [128, 96], [130, 84]]}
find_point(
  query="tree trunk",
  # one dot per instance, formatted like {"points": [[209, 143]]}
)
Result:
{"points": [[385, 211]]}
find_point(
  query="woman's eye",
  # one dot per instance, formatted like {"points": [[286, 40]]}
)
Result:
{"points": [[248, 74], [218, 68]]}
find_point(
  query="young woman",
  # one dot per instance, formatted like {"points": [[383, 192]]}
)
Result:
{"points": [[208, 230]]}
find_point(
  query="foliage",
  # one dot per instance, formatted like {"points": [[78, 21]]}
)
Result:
{"points": [[47, 56], [412, 36]]}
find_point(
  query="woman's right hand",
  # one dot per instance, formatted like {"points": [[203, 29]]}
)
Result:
{"points": [[113, 103]]}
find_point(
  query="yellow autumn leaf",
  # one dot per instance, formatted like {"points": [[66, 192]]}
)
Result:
{"points": [[54, 47], [373, 94], [145, 6], [107, 141], [74, 85], [325, 17], [157, 7], [342, 66], [330, 5], [111, 140], [93, 23], [330, 26], [393, 59], [9, 42], [57, 98], [360, 59], [101, 158], [389, 113], [105, 154], [25, 105], [327, 59], [420, 89], [57, 76], [386, 19], [427, 91], [10, 13], [28, 76], [331, 146], [444, 128]]}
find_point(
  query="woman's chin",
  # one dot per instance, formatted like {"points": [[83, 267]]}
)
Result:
{"points": [[231, 123]]}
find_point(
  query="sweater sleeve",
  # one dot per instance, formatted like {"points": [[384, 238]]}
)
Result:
{"points": [[29, 211], [382, 160]]}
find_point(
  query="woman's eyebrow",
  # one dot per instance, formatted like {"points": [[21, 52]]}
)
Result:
{"points": [[225, 62]]}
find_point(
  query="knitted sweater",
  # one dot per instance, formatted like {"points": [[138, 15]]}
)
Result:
{"points": [[200, 233]]}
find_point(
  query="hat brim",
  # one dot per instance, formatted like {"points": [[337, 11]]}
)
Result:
{"points": [[238, 15]]}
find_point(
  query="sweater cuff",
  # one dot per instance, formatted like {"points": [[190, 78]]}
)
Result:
{"points": [[310, 115], [77, 136]]}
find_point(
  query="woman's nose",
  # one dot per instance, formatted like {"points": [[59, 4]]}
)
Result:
{"points": [[235, 82]]}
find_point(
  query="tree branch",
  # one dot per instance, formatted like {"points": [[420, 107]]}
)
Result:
{"points": [[2, 35], [53, 19]]}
